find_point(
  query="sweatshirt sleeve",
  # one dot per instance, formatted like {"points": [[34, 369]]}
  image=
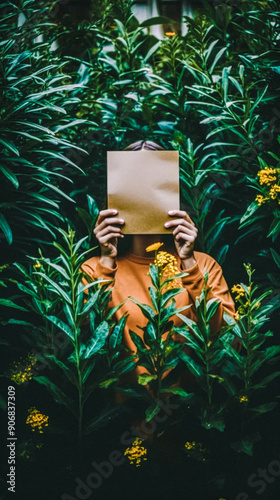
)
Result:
{"points": [[96, 270], [194, 282]]}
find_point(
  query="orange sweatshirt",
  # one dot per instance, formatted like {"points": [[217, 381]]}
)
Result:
{"points": [[131, 279]]}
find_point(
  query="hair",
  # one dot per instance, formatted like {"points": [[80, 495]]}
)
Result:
{"points": [[149, 145]]}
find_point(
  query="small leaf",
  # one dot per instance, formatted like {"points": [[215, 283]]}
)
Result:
{"points": [[177, 391], [10, 303], [152, 411], [245, 445], [145, 378], [154, 275], [276, 257], [10, 175], [253, 207], [117, 333], [106, 383], [150, 333], [211, 307], [4, 226]]}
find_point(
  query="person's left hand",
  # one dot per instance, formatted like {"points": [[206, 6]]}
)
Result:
{"points": [[185, 233]]}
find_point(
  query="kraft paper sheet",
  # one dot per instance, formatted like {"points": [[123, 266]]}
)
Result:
{"points": [[143, 186]]}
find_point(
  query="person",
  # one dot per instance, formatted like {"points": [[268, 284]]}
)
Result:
{"points": [[129, 270]]}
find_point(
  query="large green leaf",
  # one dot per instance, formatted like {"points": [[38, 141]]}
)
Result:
{"points": [[152, 411], [97, 340], [55, 287], [62, 326], [152, 21], [194, 367], [5, 227], [169, 294], [146, 310], [117, 333]]}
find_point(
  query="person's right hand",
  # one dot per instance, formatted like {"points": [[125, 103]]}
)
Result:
{"points": [[108, 231]]}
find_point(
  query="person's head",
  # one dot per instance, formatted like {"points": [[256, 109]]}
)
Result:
{"points": [[149, 145]]}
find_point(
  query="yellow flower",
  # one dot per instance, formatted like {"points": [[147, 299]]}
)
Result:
{"points": [[260, 199], [243, 399], [154, 247], [22, 370], [136, 454], [37, 420], [239, 290], [190, 445], [267, 175], [273, 191], [196, 450]]}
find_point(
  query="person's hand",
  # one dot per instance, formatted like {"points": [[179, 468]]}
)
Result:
{"points": [[185, 234], [108, 231]]}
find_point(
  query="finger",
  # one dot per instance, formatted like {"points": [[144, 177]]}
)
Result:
{"points": [[106, 222], [180, 213], [109, 229], [182, 222], [106, 213], [184, 236], [106, 239], [183, 229]]}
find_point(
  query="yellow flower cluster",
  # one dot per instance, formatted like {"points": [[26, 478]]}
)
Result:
{"points": [[37, 420], [243, 399], [190, 445], [196, 450], [267, 175], [239, 290], [269, 178], [168, 264], [22, 370], [273, 191], [136, 454], [260, 199]]}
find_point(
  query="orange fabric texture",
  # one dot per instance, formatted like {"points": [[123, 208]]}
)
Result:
{"points": [[131, 280]]}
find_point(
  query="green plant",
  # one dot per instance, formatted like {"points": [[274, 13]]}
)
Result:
{"points": [[158, 352], [252, 316], [248, 374], [207, 359], [37, 96], [56, 293], [267, 185], [200, 191]]}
